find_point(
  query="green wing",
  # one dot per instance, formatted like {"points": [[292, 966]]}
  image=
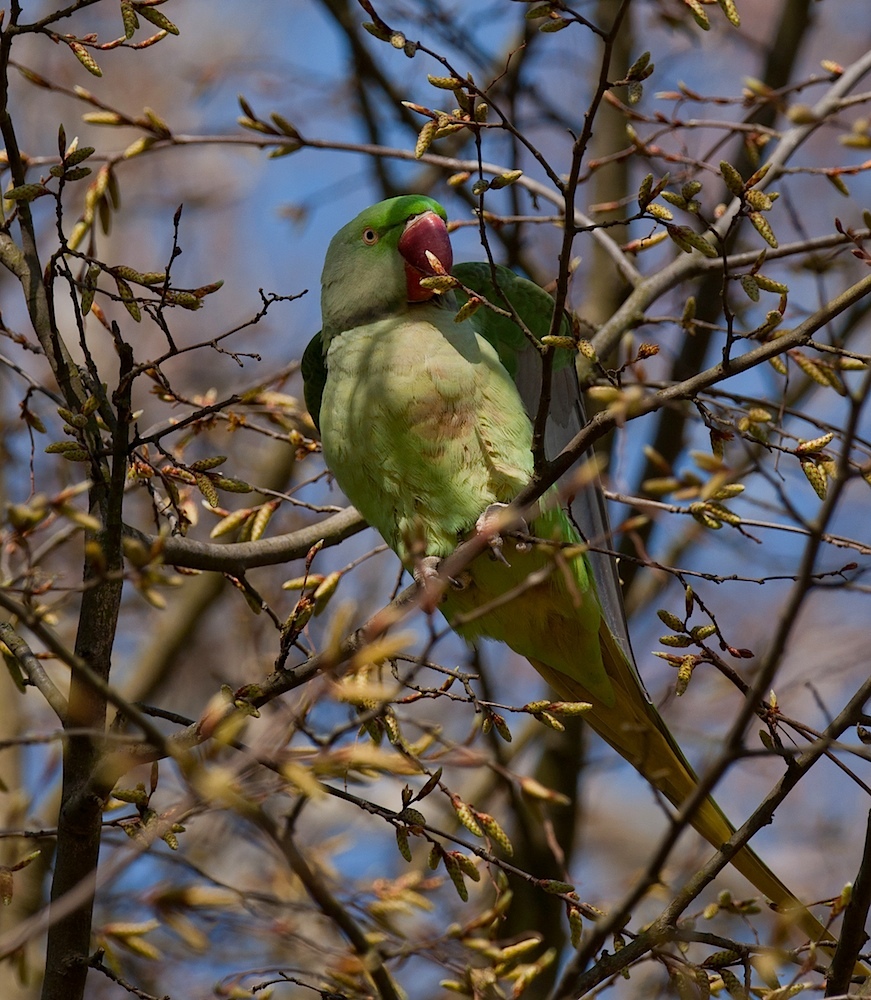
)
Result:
{"points": [[314, 377], [566, 415], [532, 304]]}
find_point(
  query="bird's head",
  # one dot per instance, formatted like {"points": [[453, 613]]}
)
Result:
{"points": [[374, 264]]}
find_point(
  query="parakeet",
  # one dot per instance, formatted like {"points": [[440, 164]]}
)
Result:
{"points": [[424, 427]]}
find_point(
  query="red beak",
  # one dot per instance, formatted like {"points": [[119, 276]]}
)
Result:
{"points": [[424, 233]]}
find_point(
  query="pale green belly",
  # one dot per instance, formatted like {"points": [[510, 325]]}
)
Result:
{"points": [[422, 432]]}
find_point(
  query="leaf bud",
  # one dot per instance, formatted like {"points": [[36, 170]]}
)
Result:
{"points": [[85, 58], [670, 620], [556, 887]]}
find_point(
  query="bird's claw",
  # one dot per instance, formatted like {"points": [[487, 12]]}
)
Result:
{"points": [[490, 523], [426, 570], [426, 576]]}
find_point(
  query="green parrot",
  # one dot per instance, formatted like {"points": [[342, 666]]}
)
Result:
{"points": [[424, 427]]}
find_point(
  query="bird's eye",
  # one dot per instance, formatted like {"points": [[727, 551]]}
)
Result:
{"points": [[370, 237]]}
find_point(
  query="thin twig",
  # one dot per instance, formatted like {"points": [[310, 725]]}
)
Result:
{"points": [[332, 908], [34, 671]]}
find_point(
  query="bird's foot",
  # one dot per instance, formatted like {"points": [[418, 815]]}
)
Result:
{"points": [[427, 577], [490, 524], [426, 570]]}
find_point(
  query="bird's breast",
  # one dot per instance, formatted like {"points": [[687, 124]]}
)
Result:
{"points": [[420, 429]]}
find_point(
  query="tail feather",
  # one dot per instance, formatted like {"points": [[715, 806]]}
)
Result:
{"points": [[634, 728]]}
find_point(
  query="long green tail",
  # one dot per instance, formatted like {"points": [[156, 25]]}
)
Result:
{"points": [[635, 730]]}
